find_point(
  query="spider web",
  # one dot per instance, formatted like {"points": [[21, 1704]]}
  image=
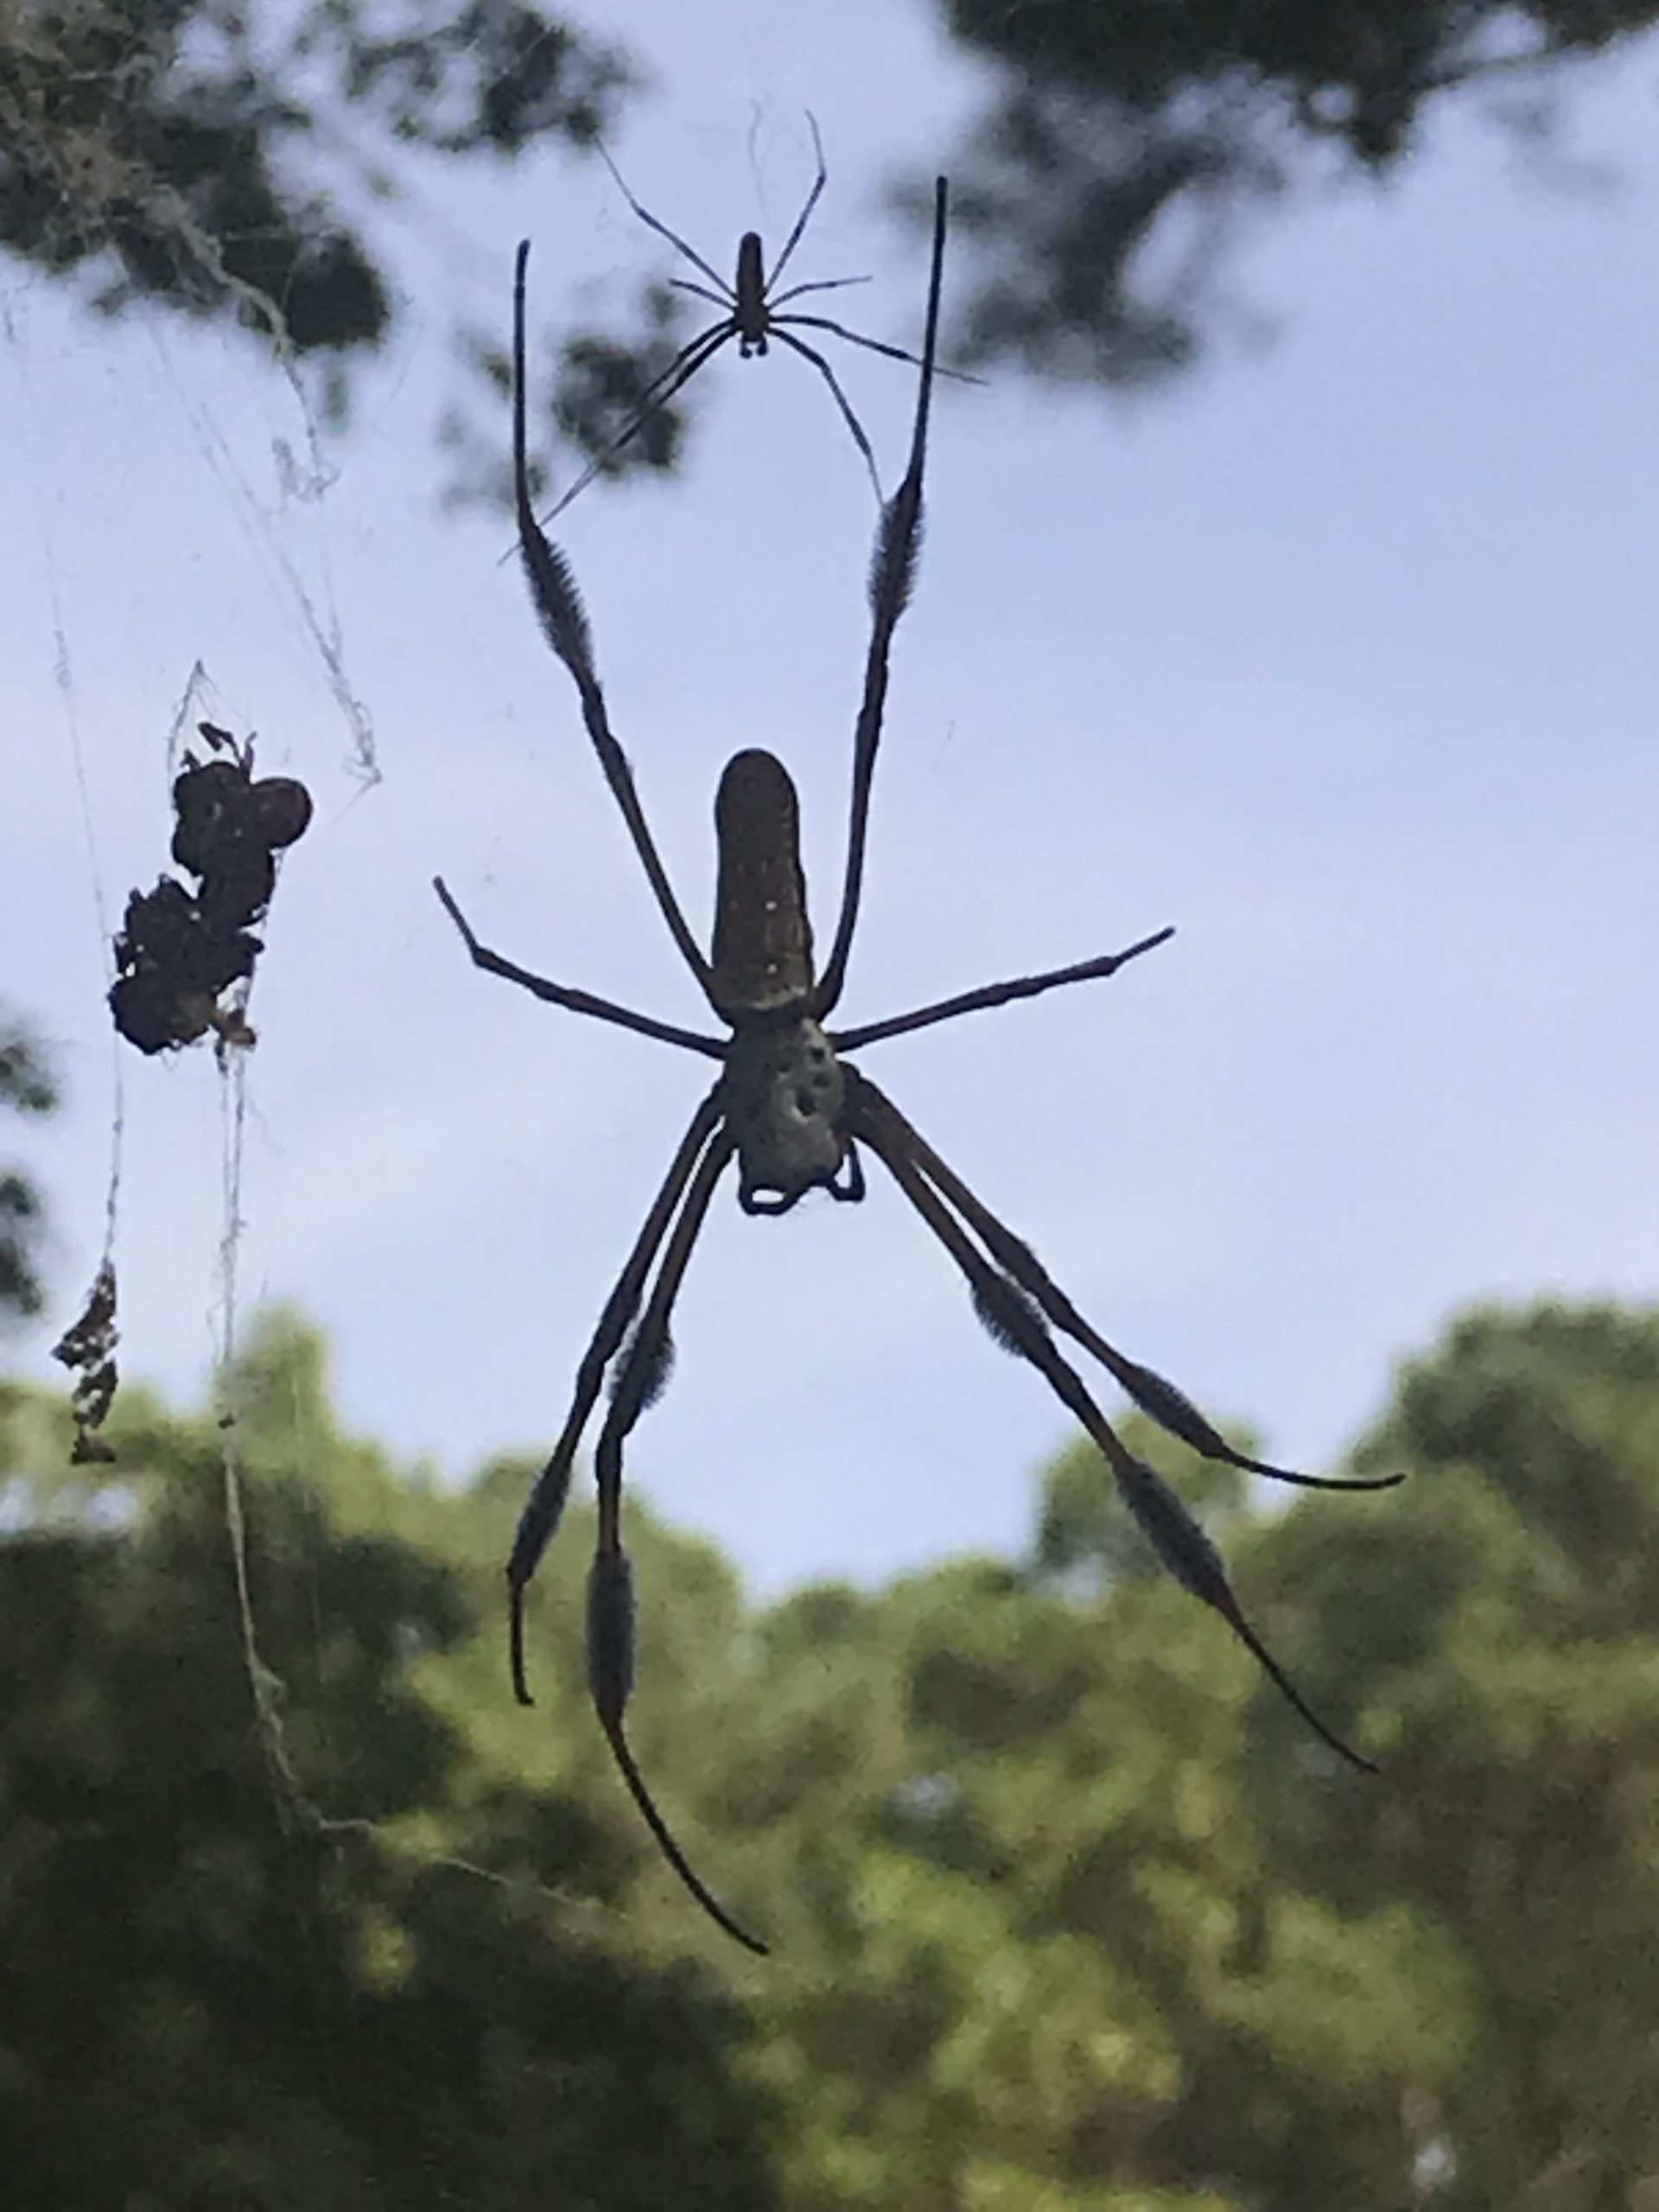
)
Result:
{"points": [[95, 182], [274, 495], [98, 1320], [296, 1805]]}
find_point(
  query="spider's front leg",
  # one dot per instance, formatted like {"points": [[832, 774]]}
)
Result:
{"points": [[564, 625], [566, 995]]}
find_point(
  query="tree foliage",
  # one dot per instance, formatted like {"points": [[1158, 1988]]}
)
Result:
{"points": [[232, 159], [1109, 128], [1068, 1909], [26, 1087], [295, 1995], [226, 159]]}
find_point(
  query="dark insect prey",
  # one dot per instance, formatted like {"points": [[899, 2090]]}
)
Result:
{"points": [[794, 1114], [180, 952]]}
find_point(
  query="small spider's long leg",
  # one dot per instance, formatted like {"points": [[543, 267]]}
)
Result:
{"points": [[805, 215], [726, 300], [574, 1001], [655, 396], [891, 576], [565, 626], [545, 1504], [610, 1603], [1160, 1401], [775, 300], [989, 994], [652, 222], [1012, 1317], [875, 345], [809, 353]]}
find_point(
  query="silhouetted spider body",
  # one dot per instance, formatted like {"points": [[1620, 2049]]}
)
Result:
{"points": [[792, 1111]]}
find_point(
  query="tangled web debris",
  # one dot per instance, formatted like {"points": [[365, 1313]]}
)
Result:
{"points": [[180, 952], [87, 1350]]}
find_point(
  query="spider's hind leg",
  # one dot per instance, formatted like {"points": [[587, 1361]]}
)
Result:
{"points": [[544, 1508], [1011, 1314], [1158, 1399], [610, 1582]]}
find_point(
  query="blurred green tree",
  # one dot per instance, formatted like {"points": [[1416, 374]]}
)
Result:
{"points": [[1069, 1909], [367, 1965], [1106, 127], [27, 1087], [1080, 1915]]}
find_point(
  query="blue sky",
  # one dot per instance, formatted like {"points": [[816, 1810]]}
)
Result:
{"points": [[1340, 656]]}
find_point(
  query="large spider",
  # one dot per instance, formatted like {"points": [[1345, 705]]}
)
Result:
{"points": [[793, 1112], [748, 312]]}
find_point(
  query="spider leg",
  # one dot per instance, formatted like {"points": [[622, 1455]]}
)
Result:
{"points": [[989, 994], [640, 1376], [1192, 1557], [610, 1678], [652, 224], [565, 626], [799, 345], [1012, 1316], [805, 215], [814, 284], [545, 1504], [610, 1586], [724, 298], [875, 345], [851, 1192], [891, 576], [655, 396], [1157, 1399], [574, 1001]]}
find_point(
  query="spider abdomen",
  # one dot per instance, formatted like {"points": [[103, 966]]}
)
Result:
{"points": [[763, 941], [785, 1101], [749, 296]]}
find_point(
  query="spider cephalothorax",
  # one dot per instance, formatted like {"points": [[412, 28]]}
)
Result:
{"points": [[785, 1099], [793, 1111]]}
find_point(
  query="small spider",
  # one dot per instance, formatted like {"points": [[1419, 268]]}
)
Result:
{"points": [[793, 1112], [749, 313], [179, 951]]}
